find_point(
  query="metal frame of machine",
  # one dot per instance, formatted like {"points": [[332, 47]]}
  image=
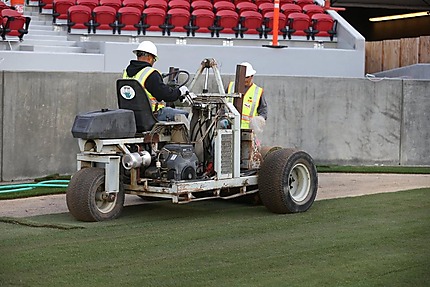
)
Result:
{"points": [[234, 165]]}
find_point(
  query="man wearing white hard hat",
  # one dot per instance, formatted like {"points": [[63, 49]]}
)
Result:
{"points": [[152, 82], [252, 103]]}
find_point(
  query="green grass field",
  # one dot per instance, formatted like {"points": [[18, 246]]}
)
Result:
{"points": [[375, 240]]}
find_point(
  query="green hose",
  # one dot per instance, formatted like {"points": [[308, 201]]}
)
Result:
{"points": [[27, 186]]}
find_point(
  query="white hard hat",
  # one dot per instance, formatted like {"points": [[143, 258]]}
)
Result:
{"points": [[249, 69], [148, 47]]}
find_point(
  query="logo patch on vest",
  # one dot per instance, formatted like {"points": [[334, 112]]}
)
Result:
{"points": [[127, 92]]}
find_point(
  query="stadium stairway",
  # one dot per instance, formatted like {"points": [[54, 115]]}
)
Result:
{"points": [[43, 36], [48, 47]]}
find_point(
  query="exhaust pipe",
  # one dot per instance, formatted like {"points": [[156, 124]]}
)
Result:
{"points": [[136, 159]]}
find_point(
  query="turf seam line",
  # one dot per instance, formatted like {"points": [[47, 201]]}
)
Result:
{"points": [[38, 225]]}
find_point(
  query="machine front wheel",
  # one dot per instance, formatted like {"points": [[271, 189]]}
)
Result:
{"points": [[288, 181], [87, 199]]}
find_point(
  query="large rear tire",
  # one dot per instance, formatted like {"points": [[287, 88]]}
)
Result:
{"points": [[288, 181], [86, 197], [266, 150]]}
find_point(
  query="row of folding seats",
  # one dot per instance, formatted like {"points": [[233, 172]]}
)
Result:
{"points": [[225, 21], [185, 4], [12, 23], [49, 5], [105, 18], [185, 16], [301, 3]]}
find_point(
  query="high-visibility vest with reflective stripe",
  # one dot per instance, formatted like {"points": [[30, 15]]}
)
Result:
{"points": [[141, 78], [250, 103]]}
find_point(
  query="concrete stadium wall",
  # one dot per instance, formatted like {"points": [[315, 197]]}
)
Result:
{"points": [[114, 56], [289, 61], [337, 120]]}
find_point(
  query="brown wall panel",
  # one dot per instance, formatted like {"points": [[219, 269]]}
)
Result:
{"points": [[373, 57], [409, 51], [424, 49]]}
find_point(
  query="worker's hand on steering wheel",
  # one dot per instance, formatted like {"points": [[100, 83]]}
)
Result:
{"points": [[186, 96]]}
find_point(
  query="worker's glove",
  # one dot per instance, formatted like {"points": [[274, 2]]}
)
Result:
{"points": [[186, 96], [184, 90], [257, 124]]}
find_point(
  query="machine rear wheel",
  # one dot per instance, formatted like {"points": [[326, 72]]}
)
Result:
{"points": [[288, 181], [265, 150], [87, 199]]}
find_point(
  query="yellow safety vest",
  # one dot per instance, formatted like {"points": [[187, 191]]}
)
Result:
{"points": [[141, 78], [251, 99]]}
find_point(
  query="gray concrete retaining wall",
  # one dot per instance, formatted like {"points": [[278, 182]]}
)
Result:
{"points": [[337, 120], [415, 129]]}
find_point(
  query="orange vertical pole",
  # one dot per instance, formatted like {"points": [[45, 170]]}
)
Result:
{"points": [[275, 23]]}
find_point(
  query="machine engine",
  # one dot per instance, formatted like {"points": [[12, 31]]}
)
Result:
{"points": [[178, 162], [174, 162]]}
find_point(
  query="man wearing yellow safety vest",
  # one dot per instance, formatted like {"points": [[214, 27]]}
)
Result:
{"points": [[252, 103], [152, 82]]}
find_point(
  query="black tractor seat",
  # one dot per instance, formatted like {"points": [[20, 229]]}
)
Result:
{"points": [[132, 96]]}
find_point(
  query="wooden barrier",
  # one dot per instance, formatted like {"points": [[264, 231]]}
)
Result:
{"points": [[391, 54], [424, 51]]}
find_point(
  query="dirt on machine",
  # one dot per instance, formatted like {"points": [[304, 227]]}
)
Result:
{"points": [[204, 156]]}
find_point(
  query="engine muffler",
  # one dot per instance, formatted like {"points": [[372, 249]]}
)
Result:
{"points": [[136, 159]]}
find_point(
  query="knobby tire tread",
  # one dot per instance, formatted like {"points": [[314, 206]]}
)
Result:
{"points": [[273, 176], [80, 197], [270, 181]]}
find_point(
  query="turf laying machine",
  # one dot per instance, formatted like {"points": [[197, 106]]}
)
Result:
{"points": [[204, 156]]}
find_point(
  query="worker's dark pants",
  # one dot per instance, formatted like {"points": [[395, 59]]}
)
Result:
{"points": [[168, 114]]}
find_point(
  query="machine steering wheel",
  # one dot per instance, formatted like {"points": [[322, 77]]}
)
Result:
{"points": [[173, 78]]}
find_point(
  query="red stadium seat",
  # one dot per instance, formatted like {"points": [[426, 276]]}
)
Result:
{"points": [[178, 20], [116, 4], [153, 18], [259, 2], [246, 6], [266, 7], [202, 21], [161, 4], [302, 3], [287, 9], [139, 4], [240, 1], [268, 23], [14, 24], [45, 6], [224, 5], [282, 2], [201, 4], [89, 3], [59, 10], [104, 19], [298, 24], [251, 22], [79, 17], [312, 9], [227, 21], [130, 20], [183, 4], [4, 6], [323, 25]]}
